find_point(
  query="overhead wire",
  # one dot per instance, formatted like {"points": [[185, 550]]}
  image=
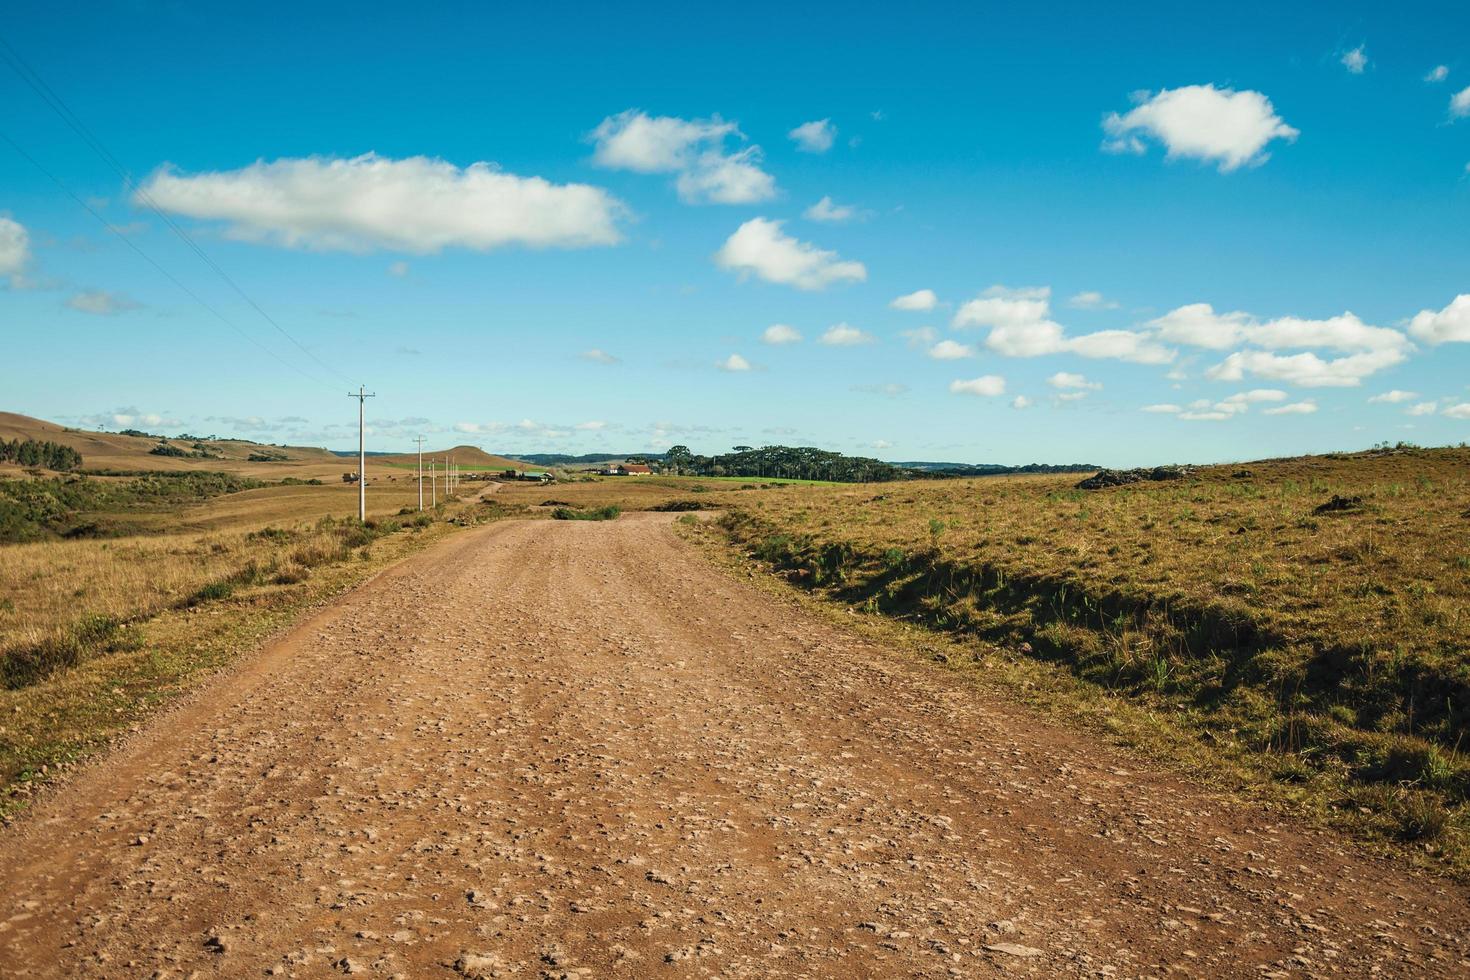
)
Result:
{"points": [[58, 105]]}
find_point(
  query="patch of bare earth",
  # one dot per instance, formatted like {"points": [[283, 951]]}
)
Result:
{"points": [[575, 748]]}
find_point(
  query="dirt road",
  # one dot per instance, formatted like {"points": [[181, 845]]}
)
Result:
{"points": [[576, 749]]}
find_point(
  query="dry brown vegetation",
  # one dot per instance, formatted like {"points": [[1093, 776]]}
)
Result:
{"points": [[1330, 645]]}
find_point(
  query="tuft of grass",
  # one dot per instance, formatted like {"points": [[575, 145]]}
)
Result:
{"points": [[608, 513]]}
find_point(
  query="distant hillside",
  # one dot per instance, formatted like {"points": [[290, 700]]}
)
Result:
{"points": [[996, 469], [586, 459], [135, 450], [466, 456]]}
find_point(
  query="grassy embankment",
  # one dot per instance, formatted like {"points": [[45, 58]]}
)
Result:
{"points": [[1323, 657], [96, 632]]}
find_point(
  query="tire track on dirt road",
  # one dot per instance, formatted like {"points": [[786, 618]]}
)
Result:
{"points": [[578, 749]]}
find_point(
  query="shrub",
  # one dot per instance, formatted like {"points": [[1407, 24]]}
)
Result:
{"points": [[600, 514]]}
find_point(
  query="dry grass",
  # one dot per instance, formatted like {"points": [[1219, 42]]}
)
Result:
{"points": [[1333, 646]]}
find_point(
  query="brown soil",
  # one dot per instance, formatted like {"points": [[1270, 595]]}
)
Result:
{"points": [[577, 749]]}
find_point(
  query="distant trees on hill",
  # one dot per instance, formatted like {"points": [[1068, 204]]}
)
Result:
{"points": [[32, 452], [783, 462]]}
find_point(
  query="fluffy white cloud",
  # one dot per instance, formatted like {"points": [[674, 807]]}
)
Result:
{"points": [[815, 136], [951, 350], [15, 248], [844, 335], [1217, 125], [920, 300], [985, 386], [827, 210], [1438, 73], [1449, 324], [634, 140], [779, 333], [1091, 300], [761, 248], [1423, 408], [1460, 103], [692, 148], [1020, 402], [1356, 59], [734, 363], [1295, 408], [591, 426], [1307, 369], [129, 417], [1198, 325], [99, 302], [1121, 345], [1394, 397], [1164, 409], [413, 205], [718, 178], [1021, 326], [1460, 411], [1065, 380], [598, 356]]}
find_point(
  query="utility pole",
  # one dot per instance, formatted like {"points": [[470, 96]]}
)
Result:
{"points": [[362, 395], [433, 485], [420, 441]]}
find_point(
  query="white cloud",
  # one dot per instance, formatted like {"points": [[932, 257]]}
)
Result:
{"points": [[827, 210], [130, 417], [882, 444], [1423, 408], [1198, 325], [633, 140], [1394, 397], [694, 149], [717, 178], [1065, 380], [1460, 103], [1071, 396], [99, 302], [1091, 300], [919, 336], [15, 249], [1018, 319], [920, 300], [1162, 409], [1295, 408], [951, 350], [1460, 411], [1021, 326], [761, 248], [398, 269], [1438, 73], [734, 363], [1020, 402], [844, 335], [986, 386], [598, 356], [417, 204], [779, 333], [1356, 59], [815, 136], [1449, 324], [1217, 125], [1307, 369], [591, 426], [1121, 345]]}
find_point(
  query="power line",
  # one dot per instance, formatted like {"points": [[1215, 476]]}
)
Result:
{"points": [[58, 105], [154, 262]]}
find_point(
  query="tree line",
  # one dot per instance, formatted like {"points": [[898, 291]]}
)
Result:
{"points": [[783, 463], [32, 452]]}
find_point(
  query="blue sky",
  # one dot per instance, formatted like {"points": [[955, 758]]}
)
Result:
{"points": [[1148, 236]]}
